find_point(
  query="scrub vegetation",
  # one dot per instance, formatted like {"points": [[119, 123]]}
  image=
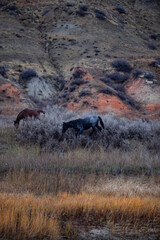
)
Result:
{"points": [[54, 187]]}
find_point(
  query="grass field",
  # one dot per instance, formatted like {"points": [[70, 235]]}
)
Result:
{"points": [[53, 194]]}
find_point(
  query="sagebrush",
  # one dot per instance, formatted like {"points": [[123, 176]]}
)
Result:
{"points": [[118, 132]]}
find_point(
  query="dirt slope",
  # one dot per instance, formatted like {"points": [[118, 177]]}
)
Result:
{"points": [[56, 37]]}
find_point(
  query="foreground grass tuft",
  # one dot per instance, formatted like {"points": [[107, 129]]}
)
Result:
{"points": [[26, 216]]}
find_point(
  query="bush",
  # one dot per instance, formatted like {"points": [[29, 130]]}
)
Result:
{"points": [[100, 14], [158, 59], [154, 36], [28, 74], [106, 80], [120, 9], [136, 72], [117, 77], [153, 64], [121, 65], [106, 91], [148, 75], [78, 73], [83, 7], [3, 71], [119, 88], [64, 95], [79, 82], [70, 4], [81, 13], [129, 100], [45, 12], [47, 131], [152, 46], [85, 93], [122, 96], [72, 89]]}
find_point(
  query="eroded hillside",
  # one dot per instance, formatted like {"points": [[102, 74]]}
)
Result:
{"points": [[74, 47]]}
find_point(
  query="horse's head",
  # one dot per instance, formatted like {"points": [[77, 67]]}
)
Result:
{"points": [[16, 124], [65, 127]]}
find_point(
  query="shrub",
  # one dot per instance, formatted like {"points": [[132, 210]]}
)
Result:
{"points": [[85, 93], [64, 95], [118, 88], [3, 71], [136, 72], [72, 89], [106, 91], [126, 99], [154, 36], [106, 80], [70, 4], [148, 75], [83, 7], [120, 9], [28, 74], [76, 100], [79, 82], [78, 73], [85, 103], [158, 59], [117, 77], [11, 7], [47, 131], [122, 96], [131, 101], [153, 64], [45, 12], [152, 46], [121, 65], [100, 14], [81, 13]]}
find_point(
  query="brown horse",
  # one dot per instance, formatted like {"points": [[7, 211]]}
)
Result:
{"points": [[27, 113]]}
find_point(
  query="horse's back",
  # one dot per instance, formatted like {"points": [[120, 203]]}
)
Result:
{"points": [[29, 113], [91, 119]]}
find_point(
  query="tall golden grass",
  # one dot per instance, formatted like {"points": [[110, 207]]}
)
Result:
{"points": [[26, 216], [23, 217], [44, 194]]}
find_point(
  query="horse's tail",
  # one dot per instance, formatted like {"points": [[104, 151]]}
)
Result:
{"points": [[101, 122]]}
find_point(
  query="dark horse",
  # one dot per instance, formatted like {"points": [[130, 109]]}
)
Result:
{"points": [[83, 124], [27, 113]]}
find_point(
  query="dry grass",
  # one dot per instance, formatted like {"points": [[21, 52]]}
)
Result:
{"points": [[43, 194], [27, 216], [23, 217], [123, 186], [118, 132]]}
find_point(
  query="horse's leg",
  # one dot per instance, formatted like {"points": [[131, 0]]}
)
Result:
{"points": [[76, 133], [93, 130], [99, 128], [81, 131]]}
